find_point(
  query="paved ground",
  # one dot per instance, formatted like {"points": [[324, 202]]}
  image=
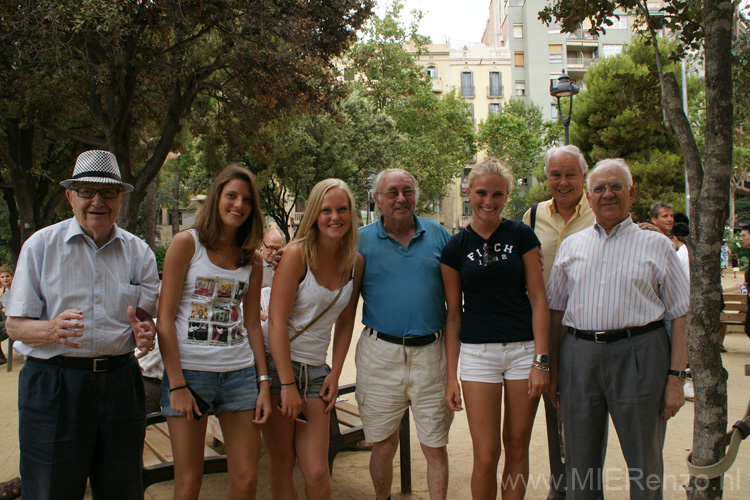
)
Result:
{"points": [[351, 477]]}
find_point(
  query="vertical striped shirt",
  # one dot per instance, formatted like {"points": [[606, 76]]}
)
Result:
{"points": [[627, 278]]}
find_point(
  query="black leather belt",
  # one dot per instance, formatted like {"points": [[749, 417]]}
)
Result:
{"points": [[96, 365], [607, 336], [152, 380], [407, 341]]}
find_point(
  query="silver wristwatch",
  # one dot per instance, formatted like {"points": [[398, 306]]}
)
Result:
{"points": [[542, 359]]}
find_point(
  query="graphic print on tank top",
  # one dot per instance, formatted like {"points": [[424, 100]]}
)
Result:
{"points": [[215, 318]]}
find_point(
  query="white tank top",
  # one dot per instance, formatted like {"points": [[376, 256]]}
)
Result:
{"points": [[312, 346], [210, 328]]}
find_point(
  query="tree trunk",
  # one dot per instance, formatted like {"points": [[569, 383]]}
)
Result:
{"points": [[176, 199], [710, 209], [150, 222], [709, 183]]}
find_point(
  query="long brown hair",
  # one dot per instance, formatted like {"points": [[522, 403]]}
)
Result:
{"points": [[208, 221]]}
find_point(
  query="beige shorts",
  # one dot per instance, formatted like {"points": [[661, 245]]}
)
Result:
{"points": [[392, 377]]}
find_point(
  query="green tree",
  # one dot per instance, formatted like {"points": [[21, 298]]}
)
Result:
{"points": [[291, 154], [128, 73], [438, 133], [619, 115], [519, 136], [702, 25]]}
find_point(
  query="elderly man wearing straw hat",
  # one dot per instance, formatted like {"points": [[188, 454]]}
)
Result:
{"points": [[83, 298]]}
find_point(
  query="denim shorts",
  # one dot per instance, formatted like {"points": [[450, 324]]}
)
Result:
{"points": [[224, 391], [309, 378], [494, 363]]}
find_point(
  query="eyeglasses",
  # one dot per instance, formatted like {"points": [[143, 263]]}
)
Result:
{"points": [[392, 194], [615, 187], [489, 256], [87, 193], [271, 248]]}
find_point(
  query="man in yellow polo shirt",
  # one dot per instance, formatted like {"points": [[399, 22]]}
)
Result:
{"points": [[554, 220]]}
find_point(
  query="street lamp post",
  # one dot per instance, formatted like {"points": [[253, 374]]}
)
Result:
{"points": [[563, 89]]}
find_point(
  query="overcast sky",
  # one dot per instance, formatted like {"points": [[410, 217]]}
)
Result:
{"points": [[459, 21]]}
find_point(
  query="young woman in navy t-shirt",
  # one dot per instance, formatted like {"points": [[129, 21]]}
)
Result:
{"points": [[500, 331]]}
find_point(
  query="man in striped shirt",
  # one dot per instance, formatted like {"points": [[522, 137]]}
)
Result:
{"points": [[608, 292]]}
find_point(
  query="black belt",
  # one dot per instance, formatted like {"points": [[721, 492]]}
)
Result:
{"points": [[607, 336], [152, 380], [103, 364], [408, 341]]}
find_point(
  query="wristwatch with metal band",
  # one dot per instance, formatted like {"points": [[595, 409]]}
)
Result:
{"points": [[542, 359], [681, 374], [264, 378]]}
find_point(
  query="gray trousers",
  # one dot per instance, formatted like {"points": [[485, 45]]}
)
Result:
{"points": [[624, 379]]}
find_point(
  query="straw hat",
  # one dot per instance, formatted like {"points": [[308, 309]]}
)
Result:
{"points": [[97, 166]]}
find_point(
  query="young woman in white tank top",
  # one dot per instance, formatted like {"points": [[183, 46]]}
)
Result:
{"points": [[213, 348], [316, 285]]}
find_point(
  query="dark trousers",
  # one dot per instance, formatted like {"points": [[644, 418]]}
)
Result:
{"points": [[76, 425], [556, 466]]}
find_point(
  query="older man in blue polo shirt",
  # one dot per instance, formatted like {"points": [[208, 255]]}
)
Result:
{"points": [[83, 298], [401, 353]]}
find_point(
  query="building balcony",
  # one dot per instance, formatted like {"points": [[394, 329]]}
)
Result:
{"points": [[580, 63], [581, 38], [437, 85], [464, 221]]}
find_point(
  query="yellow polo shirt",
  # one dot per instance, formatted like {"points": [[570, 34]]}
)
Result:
{"points": [[551, 229]]}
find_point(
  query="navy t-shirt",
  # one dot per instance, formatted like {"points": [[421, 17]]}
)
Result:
{"points": [[496, 305]]}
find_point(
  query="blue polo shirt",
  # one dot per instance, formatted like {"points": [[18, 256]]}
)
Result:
{"points": [[402, 286]]}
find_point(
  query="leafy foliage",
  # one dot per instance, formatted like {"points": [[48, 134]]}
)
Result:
{"points": [[124, 76], [437, 136], [519, 136], [619, 115]]}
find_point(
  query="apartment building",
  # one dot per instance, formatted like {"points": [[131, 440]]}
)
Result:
{"points": [[539, 53], [482, 76]]}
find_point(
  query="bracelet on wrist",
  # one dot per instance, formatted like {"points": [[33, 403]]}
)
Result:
{"points": [[172, 389], [290, 383], [540, 367]]}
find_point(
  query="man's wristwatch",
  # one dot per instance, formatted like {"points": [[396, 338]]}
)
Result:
{"points": [[264, 378], [542, 359], [681, 374]]}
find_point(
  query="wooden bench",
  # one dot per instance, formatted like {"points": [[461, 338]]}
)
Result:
{"points": [[735, 307], [346, 431]]}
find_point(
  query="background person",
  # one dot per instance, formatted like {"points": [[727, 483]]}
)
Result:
{"points": [[662, 216], [6, 280], [212, 348], [83, 298], [566, 213], [401, 352], [316, 285], [271, 249], [503, 331]]}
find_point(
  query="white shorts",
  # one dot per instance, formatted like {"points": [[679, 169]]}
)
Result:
{"points": [[392, 377], [494, 363]]}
